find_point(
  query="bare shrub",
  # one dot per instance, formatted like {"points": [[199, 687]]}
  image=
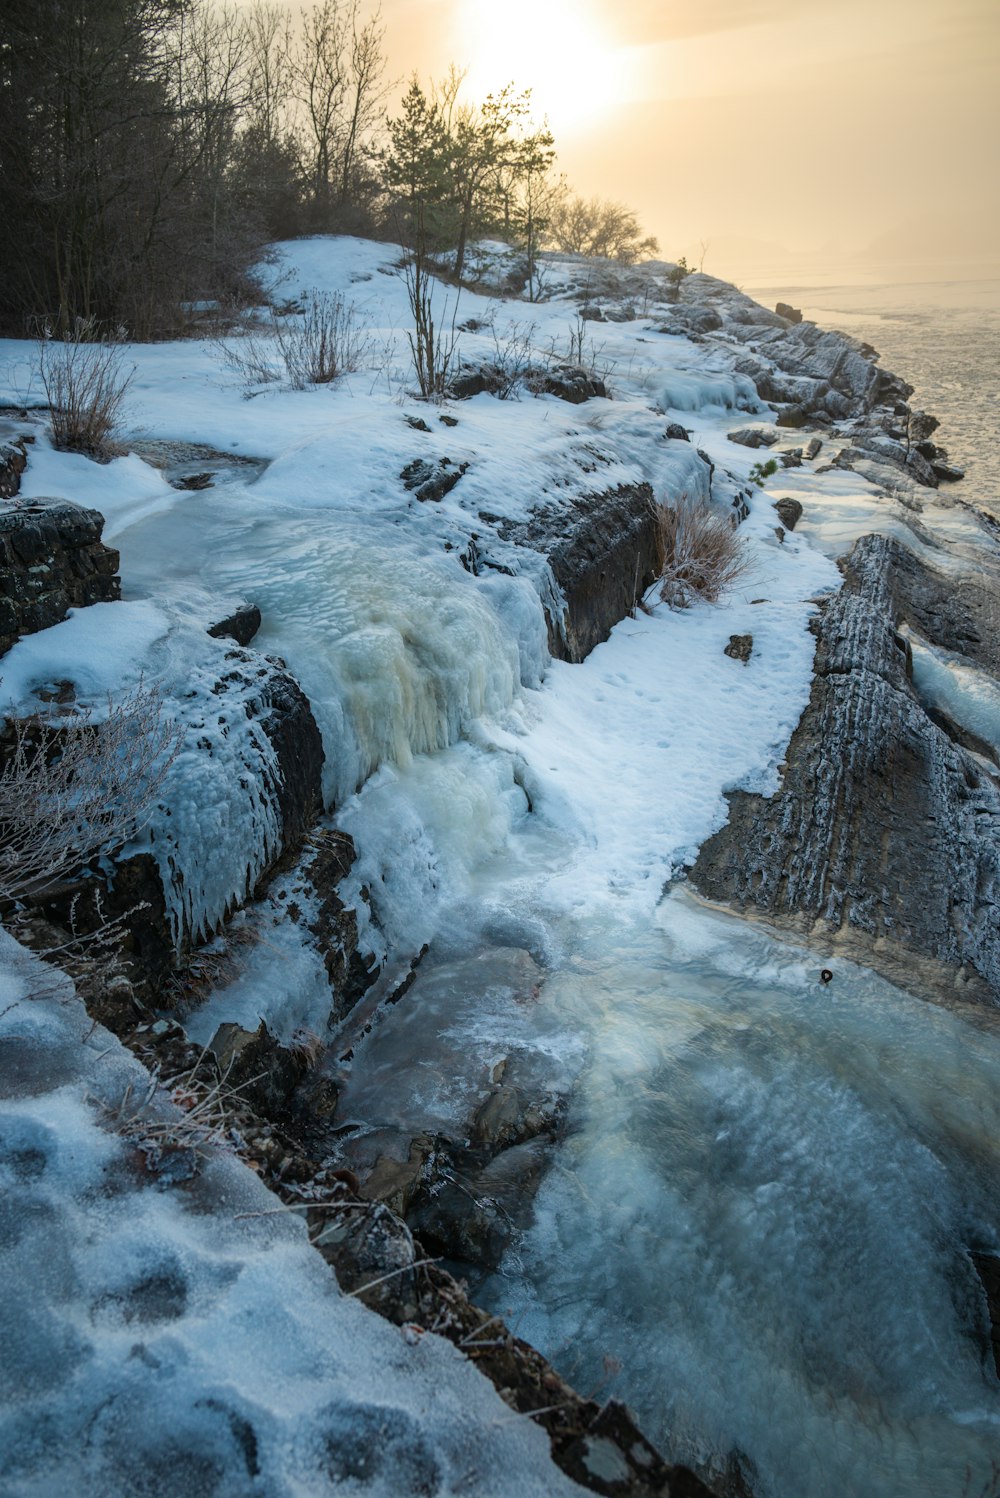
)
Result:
{"points": [[325, 345], [316, 345], [251, 356], [433, 352], [71, 791], [85, 379], [703, 555]]}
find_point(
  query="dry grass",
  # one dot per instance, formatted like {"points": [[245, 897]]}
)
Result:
{"points": [[85, 379], [703, 554]]}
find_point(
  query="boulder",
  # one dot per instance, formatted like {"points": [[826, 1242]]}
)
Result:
{"points": [[241, 625], [52, 559], [676, 433], [790, 512], [13, 461], [790, 314], [604, 550], [740, 648], [753, 436], [431, 479]]}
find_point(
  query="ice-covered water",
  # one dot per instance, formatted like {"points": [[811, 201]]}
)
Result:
{"points": [[764, 1203]]}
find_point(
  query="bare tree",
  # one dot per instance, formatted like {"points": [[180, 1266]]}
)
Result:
{"points": [[591, 226]]}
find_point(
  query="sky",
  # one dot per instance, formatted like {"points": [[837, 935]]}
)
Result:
{"points": [[752, 133]]}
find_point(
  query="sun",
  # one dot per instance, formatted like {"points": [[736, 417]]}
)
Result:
{"points": [[558, 48]]}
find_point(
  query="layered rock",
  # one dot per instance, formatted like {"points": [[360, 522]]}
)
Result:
{"points": [[884, 839], [605, 550], [52, 559]]}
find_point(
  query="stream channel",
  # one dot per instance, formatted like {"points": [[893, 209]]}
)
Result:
{"points": [[755, 1228]]}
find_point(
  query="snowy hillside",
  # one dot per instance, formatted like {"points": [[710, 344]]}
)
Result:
{"points": [[518, 821]]}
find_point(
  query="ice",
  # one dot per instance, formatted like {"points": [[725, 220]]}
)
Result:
{"points": [[190, 1341], [948, 682], [763, 1203], [693, 390]]}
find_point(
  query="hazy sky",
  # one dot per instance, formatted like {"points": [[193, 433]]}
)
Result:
{"points": [[830, 127]]}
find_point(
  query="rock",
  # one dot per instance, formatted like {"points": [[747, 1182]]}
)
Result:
{"points": [[13, 461], [790, 314], [813, 448], [753, 436], [509, 1116], [431, 480], [417, 423], [52, 559], [254, 1065], [876, 800], [920, 426], [790, 512], [591, 314], [569, 382], [740, 648], [947, 473], [987, 1266], [605, 550], [372, 1247], [241, 625], [448, 421], [193, 481], [792, 458], [677, 433], [792, 416], [129, 884], [686, 320]]}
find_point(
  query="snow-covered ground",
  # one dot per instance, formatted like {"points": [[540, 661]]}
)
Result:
{"points": [[164, 1337], [497, 799]]}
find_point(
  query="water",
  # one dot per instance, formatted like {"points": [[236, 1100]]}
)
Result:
{"points": [[943, 337]]}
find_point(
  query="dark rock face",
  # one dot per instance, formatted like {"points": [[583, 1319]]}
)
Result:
{"points": [[885, 835], [790, 314], [241, 625], [605, 550], [431, 480], [789, 512], [52, 559], [133, 890]]}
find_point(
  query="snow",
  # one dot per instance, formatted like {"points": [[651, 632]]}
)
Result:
{"points": [[186, 1339], [103, 650], [521, 814]]}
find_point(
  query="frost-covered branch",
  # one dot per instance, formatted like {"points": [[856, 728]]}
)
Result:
{"points": [[70, 791]]}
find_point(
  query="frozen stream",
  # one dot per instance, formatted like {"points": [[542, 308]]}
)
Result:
{"points": [[762, 1208]]}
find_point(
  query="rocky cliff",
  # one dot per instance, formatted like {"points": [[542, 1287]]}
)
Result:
{"points": [[884, 839]]}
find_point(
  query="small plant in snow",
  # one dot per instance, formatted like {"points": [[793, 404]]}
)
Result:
{"points": [[760, 472], [85, 379], [703, 555]]}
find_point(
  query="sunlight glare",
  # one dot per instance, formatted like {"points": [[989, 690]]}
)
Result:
{"points": [[559, 49]]}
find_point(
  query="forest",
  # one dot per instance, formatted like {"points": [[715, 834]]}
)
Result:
{"points": [[153, 148]]}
